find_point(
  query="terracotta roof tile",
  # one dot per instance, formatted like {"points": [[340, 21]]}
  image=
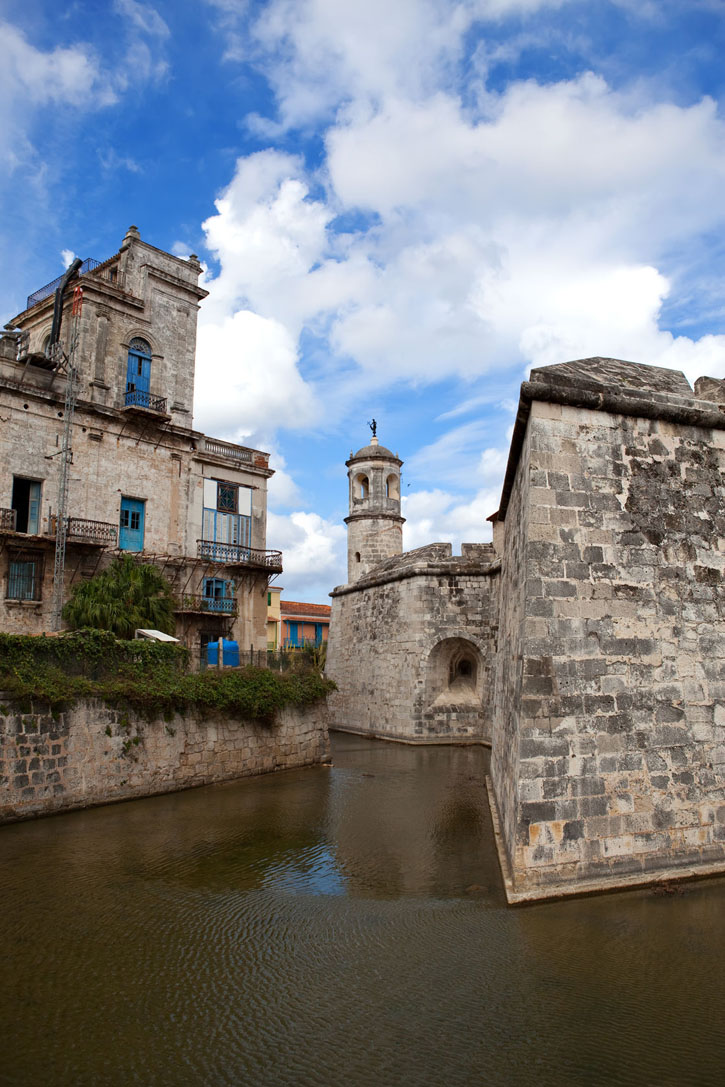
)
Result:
{"points": [[293, 607]]}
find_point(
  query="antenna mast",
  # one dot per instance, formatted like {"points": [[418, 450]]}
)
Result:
{"points": [[65, 362]]}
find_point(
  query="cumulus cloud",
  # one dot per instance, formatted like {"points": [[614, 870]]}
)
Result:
{"points": [[247, 377], [445, 236], [439, 516], [315, 556]]}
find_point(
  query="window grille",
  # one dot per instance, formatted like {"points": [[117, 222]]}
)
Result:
{"points": [[227, 498], [25, 578]]}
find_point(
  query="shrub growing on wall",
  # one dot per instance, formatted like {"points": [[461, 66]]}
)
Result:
{"points": [[129, 595], [148, 677]]}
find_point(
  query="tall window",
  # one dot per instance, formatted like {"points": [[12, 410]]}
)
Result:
{"points": [[227, 516]]}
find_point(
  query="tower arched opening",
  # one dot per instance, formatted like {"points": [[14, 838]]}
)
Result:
{"points": [[392, 486], [361, 486]]}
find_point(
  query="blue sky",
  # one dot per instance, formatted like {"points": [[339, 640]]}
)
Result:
{"points": [[401, 207]]}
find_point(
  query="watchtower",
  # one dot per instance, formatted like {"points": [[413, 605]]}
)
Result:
{"points": [[374, 526]]}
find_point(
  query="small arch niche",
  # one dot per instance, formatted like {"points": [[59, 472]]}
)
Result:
{"points": [[361, 486], [455, 673], [392, 486]]}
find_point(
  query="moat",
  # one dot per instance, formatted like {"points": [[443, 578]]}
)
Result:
{"points": [[338, 925]]}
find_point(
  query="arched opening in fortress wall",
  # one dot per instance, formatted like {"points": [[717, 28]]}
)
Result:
{"points": [[455, 674]]}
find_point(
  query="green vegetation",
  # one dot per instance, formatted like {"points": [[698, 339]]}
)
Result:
{"points": [[129, 595], [148, 677]]}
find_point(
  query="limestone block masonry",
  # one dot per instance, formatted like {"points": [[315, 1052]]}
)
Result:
{"points": [[587, 645], [93, 754], [400, 638], [608, 762]]}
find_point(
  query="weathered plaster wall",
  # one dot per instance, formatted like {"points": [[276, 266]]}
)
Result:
{"points": [[93, 754], [620, 651], [382, 648]]}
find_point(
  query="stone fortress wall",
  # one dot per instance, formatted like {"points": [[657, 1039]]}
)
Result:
{"points": [[609, 734], [597, 669], [396, 635]]}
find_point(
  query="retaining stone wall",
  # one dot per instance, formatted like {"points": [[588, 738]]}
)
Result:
{"points": [[92, 754]]}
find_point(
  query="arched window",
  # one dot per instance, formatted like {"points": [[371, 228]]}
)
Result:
{"points": [[138, 373], [357, 556], [361, 488], [392, 488]]}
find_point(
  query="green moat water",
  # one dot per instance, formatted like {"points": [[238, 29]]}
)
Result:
{"points": [[341, 925]]}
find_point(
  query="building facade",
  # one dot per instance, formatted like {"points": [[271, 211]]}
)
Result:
{"points": [[140, 479], [304, 624], [587, 645]]}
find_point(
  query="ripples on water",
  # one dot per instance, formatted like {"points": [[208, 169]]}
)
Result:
{"points": [[340, 925]]}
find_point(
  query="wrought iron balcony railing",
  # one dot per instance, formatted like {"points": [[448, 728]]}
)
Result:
{"points": [[239, 555], [193, 602], [97, 532], [136, 398], [8, 520]]}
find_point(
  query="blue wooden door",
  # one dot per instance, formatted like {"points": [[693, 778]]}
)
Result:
{"points": [[132, 523], [138, 373]]}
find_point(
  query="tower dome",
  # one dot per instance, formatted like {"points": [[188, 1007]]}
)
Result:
{"points": [[374, 524]]}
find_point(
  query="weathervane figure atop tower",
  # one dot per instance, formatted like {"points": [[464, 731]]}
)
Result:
{"points": [[374, 427]]}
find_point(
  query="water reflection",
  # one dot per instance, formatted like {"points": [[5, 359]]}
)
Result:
{"points": [[340, 925]]}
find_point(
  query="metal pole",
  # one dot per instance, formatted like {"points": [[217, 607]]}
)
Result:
{"points": [[66, 459]]}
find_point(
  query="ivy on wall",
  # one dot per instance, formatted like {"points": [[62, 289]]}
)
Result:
{"points": [[150, 677]]}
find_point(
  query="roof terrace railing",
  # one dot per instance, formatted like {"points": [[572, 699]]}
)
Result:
{"points": [[226, 449], [50, 288]]}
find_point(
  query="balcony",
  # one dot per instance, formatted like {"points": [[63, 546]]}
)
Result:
{"points": [[192, 603], [238, 555], [79, 531], [142, 401], [8, 519], [98, 533]]}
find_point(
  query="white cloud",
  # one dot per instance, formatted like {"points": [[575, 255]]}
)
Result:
{"points": [[142, 17], [67, 256], [29, 77], [438, 516], [247, 378], [313, 552]]}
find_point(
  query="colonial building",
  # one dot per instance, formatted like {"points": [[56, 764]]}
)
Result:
{"points": [[138, 477], [587, 645]]}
